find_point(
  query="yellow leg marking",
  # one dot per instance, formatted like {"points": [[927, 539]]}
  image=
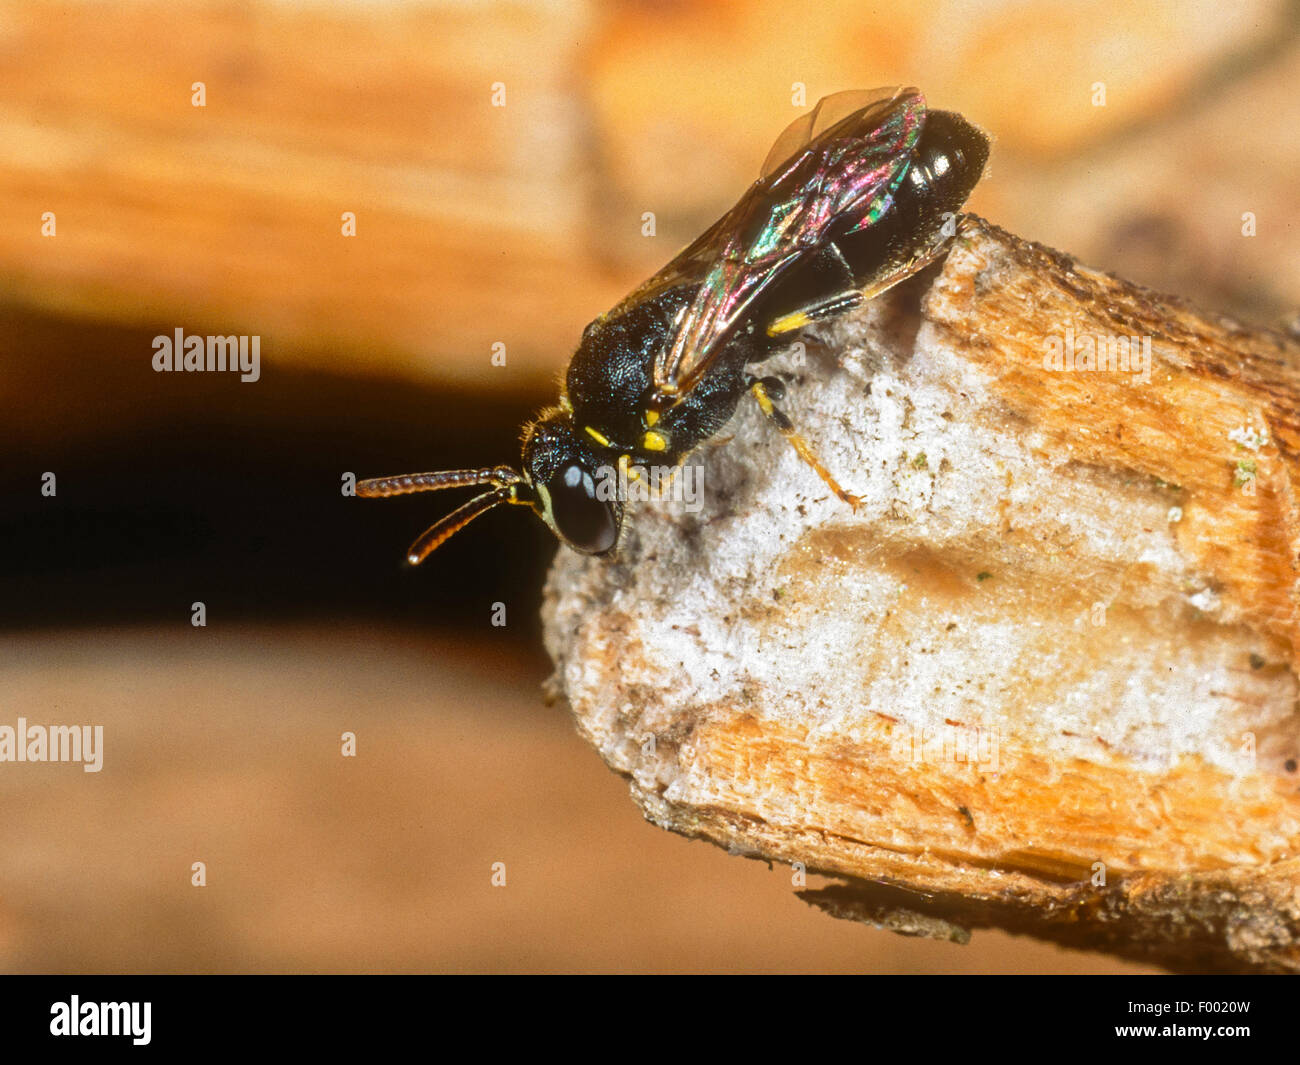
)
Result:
{"points": [[788, 323], [597, 436], [800, 445]]}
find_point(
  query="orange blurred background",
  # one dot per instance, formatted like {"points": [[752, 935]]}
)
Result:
{"points": [[194, 166]]}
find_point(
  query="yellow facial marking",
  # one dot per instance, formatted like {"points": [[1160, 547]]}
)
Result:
{"points": [[653, 441], [597, 436], [790, 322], [651, 418]]}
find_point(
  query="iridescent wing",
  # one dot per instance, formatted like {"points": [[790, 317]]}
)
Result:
{"points": [[834, 170]]}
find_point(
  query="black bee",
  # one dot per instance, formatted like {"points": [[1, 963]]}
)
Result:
{"points": [[853, 198]]}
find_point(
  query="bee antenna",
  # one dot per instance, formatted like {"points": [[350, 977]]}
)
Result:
{"points": [[409, 483], [444, 529]]}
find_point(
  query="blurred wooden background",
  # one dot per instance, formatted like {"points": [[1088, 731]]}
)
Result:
{"points": [[468, 214], [475, 225]]}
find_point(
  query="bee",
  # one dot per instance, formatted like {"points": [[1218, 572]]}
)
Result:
{"points": [[855, 196]]}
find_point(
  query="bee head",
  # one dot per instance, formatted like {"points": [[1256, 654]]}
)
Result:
{"points": [[573, 485], [563, 480]]}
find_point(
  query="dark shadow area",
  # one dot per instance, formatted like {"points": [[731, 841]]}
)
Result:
{"points": [[177, 487]]}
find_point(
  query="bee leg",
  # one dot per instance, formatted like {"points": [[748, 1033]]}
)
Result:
{"points": [[843, 302], [815, 312], [763, 391], [902, 272], [822, 286]]}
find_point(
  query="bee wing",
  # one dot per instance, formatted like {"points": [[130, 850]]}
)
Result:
{"points": [[833, 170], [827, 112]]}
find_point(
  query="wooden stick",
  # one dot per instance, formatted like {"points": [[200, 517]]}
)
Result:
{"points": [[1043, 679]]}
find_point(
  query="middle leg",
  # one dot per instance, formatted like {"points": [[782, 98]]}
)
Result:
{"points": [[766, 389]]}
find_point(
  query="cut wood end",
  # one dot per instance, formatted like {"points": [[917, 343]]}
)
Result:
{"points": [[1043, 679]]}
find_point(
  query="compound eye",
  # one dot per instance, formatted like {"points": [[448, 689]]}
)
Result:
{"points": [[586, 522]]}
